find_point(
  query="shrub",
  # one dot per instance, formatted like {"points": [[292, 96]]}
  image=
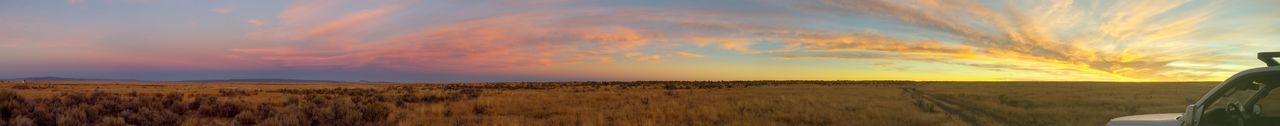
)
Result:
{"points": [[374, 112], [286, 117], [210, 106], [235, 92], [10, 104], [338, 106], [247, 117], [73, 117], [471, 93], [111, 121], [21, 121], [154, 117]]}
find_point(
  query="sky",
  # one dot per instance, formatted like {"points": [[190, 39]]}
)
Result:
{"points": [[625, 40]]}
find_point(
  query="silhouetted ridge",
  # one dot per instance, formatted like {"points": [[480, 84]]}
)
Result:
{"points": [[51, 78], [264, 80]]}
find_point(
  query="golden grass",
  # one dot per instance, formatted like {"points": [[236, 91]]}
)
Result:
{"points": [[1066, 103], [683, 103]]}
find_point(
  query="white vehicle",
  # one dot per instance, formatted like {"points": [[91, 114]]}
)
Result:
{"points": [[1247, 98]]}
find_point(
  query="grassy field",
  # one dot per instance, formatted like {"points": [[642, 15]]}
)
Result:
{"points": [[593, 103]]}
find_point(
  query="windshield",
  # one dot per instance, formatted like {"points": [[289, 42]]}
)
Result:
{"points": [[1244, 101], [1235, 95], [1269, 104]]}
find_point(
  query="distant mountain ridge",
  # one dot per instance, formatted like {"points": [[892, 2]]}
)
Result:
{"points": [[255, 80], [49, 78], [267, 80]]}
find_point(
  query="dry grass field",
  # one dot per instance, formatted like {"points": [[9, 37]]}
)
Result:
{"points": [[593, 103]]}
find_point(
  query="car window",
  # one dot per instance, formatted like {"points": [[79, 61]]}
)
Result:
{"points": [[1220, 110], [1237, 94], [1270, 104]]}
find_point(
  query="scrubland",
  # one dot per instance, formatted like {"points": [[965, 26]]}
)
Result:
{"points": [[593, 103]]}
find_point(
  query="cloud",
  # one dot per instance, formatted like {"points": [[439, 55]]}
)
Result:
{"points": [[884, 64], [221, 10], [686, 55], [497, 42], [301, 11], [256, 22], [636, 56], [604, 60], [1102, 40], [891, 66], [345, 23], [735, 44], [1117, 41]]}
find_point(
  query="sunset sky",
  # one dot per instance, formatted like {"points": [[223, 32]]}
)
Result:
{"points": [[590, 40]]}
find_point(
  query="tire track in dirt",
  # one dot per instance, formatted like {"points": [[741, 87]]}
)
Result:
{"points": [[951, 109], [975, 111]]}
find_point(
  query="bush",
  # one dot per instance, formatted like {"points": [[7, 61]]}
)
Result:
{"points": [[319, 107], [210, 106], [111, 121], [73, 117], [247, 117], [235, 92], [374, 112], [286, 117], [153, 117], [10, 104], [21, 121]]}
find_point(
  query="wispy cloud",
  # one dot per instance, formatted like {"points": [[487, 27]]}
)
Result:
{"points": [[687, 55], [222, 10], [504, 41], [256, 22], [1110, 40], [1123, 40], [1075, 40]]}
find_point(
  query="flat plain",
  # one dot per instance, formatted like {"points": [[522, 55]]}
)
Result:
{"points": [[592, 103]]}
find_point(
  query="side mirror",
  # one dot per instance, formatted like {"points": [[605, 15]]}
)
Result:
{"points": [[1190, 115]]}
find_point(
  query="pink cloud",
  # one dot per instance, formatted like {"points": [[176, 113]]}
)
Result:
{"points": [[494, 42], [221, 10], [347, 22], [256, 23], [960, 33], [304, 10]]}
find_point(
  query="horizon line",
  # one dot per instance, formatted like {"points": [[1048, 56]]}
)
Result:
{"points": [[655, 80]]}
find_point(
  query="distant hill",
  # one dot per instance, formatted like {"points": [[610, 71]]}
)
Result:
{"points": [[265, 80], [72, 79], [91, 80]]}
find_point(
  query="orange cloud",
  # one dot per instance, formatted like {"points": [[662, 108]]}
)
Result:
{"points": [[686, 55], [1030, 33], [1119, 41], [604, 60]]}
